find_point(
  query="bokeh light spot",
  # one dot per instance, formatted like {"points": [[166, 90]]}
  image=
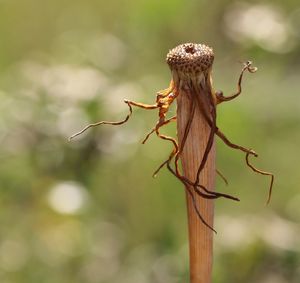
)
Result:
{"points": [[67, 198], [263, 25]]}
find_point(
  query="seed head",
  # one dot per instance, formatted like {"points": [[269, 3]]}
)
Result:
{"points": [[190, 58]]}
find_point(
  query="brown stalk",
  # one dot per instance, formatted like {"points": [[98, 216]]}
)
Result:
{"points": [[196, 149], [200, 238]]}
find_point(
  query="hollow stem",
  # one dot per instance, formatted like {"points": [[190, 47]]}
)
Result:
{"points": [[191, 66]]}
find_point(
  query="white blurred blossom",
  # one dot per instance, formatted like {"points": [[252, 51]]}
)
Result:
{"points": [[260, 24], [67, 197], [281, 234], [65, 81], [240, 231]]}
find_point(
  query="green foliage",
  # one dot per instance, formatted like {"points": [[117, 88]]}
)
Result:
{"points": [[88, 210]]}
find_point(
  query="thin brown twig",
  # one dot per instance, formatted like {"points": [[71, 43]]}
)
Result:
{"points": [[263, 173]]}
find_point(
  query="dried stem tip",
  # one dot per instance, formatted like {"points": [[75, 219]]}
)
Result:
{"points": [[190, 58]]}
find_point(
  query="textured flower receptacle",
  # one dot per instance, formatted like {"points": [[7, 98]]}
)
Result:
{"points": [[190, 58]]}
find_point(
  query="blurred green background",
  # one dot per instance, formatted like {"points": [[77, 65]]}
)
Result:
{"points": [[89, 210]]}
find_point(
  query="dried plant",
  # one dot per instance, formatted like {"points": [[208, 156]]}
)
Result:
{"points": [[191, 67]]}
